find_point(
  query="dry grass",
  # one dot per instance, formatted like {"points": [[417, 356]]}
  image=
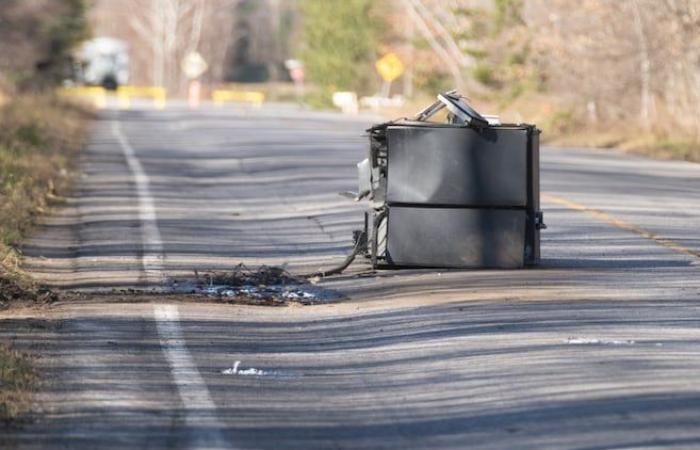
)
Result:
{"points": [[17, 380], [40, 138], [563, 125], [630, 139]]}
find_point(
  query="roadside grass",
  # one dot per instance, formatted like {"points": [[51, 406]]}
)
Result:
{"points": [[17, 382], [40, 138], [564, 125], [631, 140], [661, 147]]}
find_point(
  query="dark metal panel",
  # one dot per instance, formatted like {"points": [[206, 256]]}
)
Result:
{"points": [[457, 166], [456, 237], [534, 196]]}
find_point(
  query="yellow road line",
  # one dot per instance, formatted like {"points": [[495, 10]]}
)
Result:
{"points": [[621, 224]]}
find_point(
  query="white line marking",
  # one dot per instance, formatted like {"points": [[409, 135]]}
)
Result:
{"points": [[151, 242], [593, 341], [200, 411]]}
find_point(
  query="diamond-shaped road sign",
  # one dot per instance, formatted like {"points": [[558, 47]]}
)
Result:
{"points": [[389, 67], [193, 65]]}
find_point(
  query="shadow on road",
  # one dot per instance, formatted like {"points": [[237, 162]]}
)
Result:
{"points": [[494, 374]]}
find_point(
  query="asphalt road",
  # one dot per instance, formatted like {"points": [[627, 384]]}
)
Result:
{"points": [[597, 348]]}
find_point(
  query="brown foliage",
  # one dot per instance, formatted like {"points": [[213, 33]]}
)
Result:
{"points": [[633, 60]]}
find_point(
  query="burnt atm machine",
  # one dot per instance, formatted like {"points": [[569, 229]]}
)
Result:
{"points": [[459, 194]]}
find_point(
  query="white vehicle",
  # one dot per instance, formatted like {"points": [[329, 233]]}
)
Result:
{"points": [[104, 62]]}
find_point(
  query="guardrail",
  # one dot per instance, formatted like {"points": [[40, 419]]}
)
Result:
{"points": [[126, 93], [96, 94], [221, 96]]}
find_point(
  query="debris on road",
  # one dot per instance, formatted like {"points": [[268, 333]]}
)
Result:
{"points": [[359, 247], [241, 275], [13, 289], [476, 203], [265, 286]]}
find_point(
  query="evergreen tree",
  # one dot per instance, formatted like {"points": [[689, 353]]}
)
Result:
{"points": [[339, 44]]}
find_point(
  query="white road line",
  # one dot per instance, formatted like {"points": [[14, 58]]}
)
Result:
{"points": [[151, 242], [204, 429]]}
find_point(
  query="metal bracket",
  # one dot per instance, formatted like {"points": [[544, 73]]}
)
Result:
{"points": [[539, 221]]}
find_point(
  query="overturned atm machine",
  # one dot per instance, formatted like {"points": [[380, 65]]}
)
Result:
{"points": [[459, 194]]}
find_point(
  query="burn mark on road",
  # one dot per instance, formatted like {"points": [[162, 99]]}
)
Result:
{"points": [[264, 286]]}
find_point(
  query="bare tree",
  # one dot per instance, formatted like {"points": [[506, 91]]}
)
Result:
{"points": [[162, 32], [418, 14], [646, 98]]}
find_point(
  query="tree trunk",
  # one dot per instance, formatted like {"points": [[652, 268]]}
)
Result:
{"points": [[644, 66]]}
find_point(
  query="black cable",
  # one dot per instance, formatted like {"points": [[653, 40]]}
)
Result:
{"points": [[356, 250]]}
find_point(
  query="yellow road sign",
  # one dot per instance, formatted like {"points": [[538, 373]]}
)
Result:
{"points": [[389, 67]]}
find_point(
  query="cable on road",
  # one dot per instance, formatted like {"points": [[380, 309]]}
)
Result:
{"points": [[359, 247]]}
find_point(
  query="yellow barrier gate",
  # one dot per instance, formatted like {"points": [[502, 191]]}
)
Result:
{"points": [[97, 95], [125, 93], [221, 96]]}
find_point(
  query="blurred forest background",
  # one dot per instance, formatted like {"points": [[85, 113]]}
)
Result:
{"points": [[594, 72]]}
